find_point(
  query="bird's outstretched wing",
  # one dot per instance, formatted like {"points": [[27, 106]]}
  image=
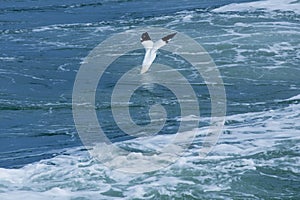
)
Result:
{"points": [[163, 41], [146, 41]]}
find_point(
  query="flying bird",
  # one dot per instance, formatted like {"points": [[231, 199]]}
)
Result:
{"points": [[151, 49]]}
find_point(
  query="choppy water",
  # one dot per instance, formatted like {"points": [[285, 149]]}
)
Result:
{"points": [[256, 47]]}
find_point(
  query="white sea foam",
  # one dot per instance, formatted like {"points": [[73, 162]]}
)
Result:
{"points": [[187, 18], [268, 5], [76, 175], [297, 97], [7, 58]]}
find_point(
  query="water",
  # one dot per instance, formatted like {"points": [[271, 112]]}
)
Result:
{"points": [[256, 47]]}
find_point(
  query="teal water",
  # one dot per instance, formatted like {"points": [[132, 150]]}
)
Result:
{"points": [[256, 47]]}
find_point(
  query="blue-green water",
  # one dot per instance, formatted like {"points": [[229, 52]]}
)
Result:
{"points": [[256, 47]]}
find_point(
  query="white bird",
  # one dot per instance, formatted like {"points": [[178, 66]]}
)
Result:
{"points": [[151, 49]]}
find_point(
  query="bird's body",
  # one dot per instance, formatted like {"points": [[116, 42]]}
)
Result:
{"points": [[151, 49]]}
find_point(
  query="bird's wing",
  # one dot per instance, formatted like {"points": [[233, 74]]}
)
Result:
{"points": [[163, 41], [158, 44], [146, 41]]}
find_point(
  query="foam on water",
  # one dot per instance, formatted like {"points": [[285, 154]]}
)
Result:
{"points": [[251, 142], [297, 97], [268, 5], [8, 58]]}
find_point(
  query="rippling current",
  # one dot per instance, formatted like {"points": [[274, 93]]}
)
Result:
{"points": [[256, 47]]}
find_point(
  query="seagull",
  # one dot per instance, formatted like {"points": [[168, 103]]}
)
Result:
{"points": [[151, 49]]}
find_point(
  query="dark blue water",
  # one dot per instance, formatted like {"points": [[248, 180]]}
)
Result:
{"points": [[255, 46]]}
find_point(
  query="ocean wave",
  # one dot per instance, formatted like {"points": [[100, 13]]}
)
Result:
{"points": [[252, 143], [100, 26], [266, 5], [293, 99], [7, 58], [29, 105], [47, 7]]}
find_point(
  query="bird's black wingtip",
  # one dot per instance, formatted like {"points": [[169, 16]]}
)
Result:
{"points": [[145, 37], [169, 37]]}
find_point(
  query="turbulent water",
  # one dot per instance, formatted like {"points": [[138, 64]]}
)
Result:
{"points": [[256, 47]]}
